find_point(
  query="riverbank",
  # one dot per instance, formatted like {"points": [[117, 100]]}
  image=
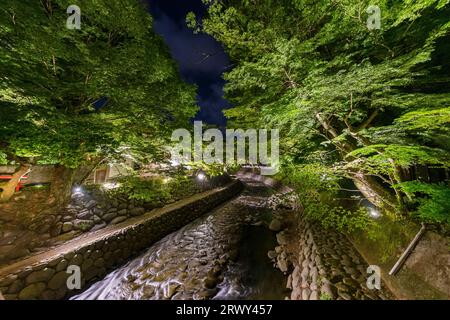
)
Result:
{"points": [[321, 264], [43, 276], [425, 273], [221, 255], [26, 230]]}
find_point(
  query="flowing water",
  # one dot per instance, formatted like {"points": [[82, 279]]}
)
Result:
{"points": [[222, 255]]}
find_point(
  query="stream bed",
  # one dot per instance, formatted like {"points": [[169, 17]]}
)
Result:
{"points": [[222, 255]]}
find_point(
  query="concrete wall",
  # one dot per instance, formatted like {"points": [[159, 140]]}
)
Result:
{"points": [[431, 261], [44, 276], [426, 272]]}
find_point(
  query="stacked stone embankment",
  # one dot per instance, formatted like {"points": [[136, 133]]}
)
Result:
{"points": [[44, 276], [323, 265]]}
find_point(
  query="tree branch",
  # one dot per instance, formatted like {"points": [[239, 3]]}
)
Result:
{"points": [[368, 121]]}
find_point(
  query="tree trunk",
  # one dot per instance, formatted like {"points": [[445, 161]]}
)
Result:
{"points": [[61, 186], [9, 187], [375, 192]]}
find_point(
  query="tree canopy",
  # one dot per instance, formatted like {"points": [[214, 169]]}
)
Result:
{"points": [[369, 104], [68, 96]]}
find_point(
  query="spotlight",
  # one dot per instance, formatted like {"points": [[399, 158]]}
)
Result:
{"points": [[201, 176], [374, 213]]}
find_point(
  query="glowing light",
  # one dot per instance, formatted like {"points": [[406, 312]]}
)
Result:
{"points": [[374, 213], [166, 180], [201, 176], [78, 190], [174, 163]]}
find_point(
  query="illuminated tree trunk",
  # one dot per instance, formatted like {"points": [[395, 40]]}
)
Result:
{"points": [[375, 192]]}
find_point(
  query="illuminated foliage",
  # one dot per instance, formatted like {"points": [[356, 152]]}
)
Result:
{"points": [[368, 104], [67, 96]]}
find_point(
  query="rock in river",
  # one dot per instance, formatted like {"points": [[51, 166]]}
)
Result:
{"points": [[275, 225]]}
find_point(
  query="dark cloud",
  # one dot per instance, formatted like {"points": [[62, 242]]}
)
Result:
{"points": [[201, 59]]}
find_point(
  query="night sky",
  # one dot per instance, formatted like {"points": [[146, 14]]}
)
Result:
{"points": [[201, 59]]}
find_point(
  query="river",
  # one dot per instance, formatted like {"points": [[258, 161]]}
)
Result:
{"points": [[222, 255]]}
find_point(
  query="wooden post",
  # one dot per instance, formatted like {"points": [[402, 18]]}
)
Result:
{"points": [[407, 252]]}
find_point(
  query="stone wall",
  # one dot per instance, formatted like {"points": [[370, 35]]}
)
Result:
{"points": [[320, 263], [44, 276], [90, 209], [323, 265], [326, 264]]}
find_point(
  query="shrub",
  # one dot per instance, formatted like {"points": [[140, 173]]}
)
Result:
{"points": [[157, 191], [317, 188], [431, 203]]}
